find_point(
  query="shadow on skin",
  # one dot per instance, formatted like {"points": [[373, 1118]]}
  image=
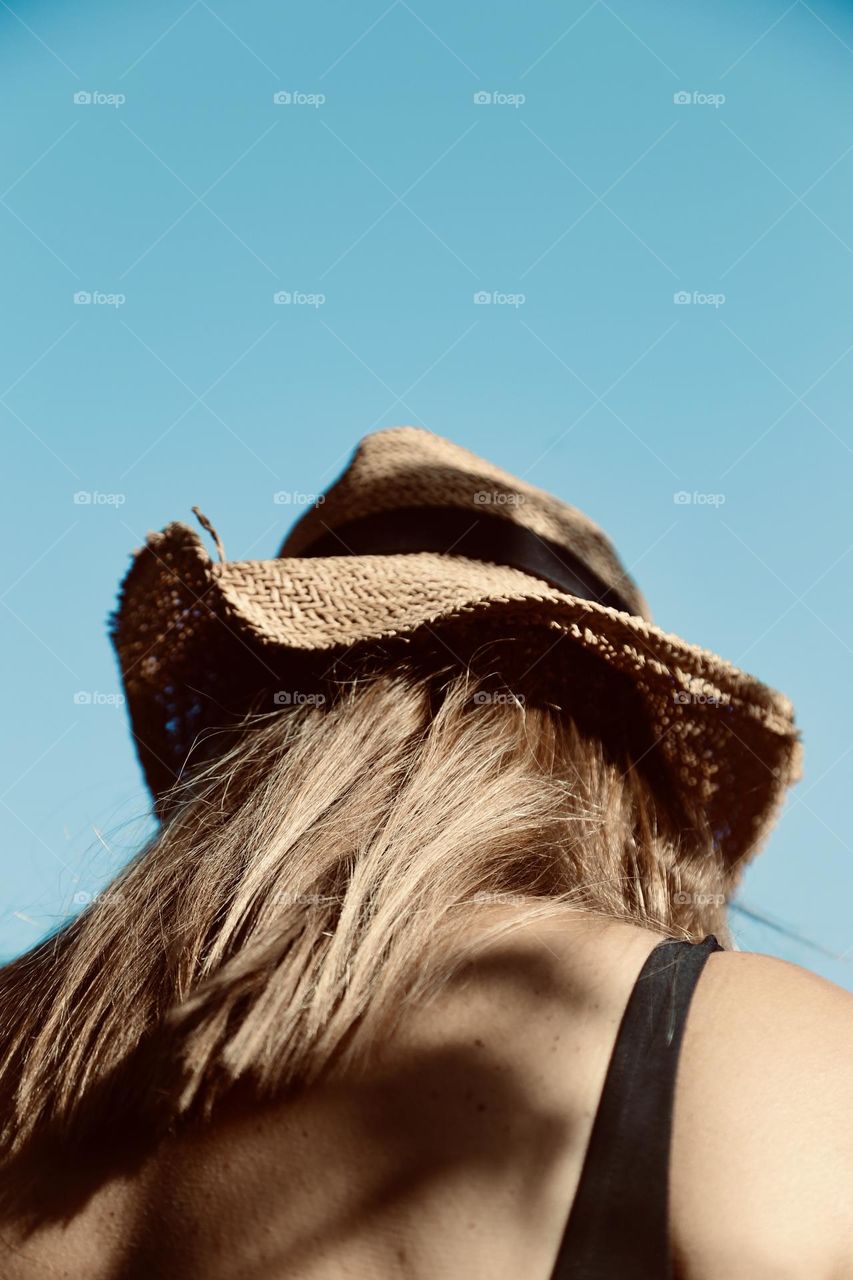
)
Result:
{"points": [[276, 1184]]}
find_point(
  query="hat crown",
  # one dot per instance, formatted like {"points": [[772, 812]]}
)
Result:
{"points": [[402, 469], [203, 643]]}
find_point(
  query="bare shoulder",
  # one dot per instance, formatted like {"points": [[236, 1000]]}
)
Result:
{"points": [[515, 971], [762, 1156]]}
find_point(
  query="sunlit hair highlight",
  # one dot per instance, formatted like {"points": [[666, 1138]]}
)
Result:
{"points": [[319, 876]]}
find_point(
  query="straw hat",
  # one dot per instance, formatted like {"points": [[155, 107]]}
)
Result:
{"points": [[422, 549]]}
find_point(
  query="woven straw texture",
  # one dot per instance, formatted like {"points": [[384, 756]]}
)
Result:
{"points": [[408, 466], [200, 642]]}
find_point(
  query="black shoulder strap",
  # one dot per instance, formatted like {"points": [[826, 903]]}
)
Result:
{"points": [[618, 1225]]}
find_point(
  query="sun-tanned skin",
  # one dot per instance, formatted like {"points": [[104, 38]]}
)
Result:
{"points": [[457, 1156]]}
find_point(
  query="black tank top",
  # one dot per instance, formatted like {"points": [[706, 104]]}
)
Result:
{"points": [[618, 1225]]}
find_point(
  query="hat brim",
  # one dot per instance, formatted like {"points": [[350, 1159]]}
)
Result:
{"points": [[728, 740]]}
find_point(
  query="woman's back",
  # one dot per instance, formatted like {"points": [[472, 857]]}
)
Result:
{"points": [[459, 1151]]}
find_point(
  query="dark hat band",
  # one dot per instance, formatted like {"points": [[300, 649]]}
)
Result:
{"points": [[477, 535]]}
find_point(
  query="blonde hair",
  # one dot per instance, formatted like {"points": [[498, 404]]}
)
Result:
{"points": [[319, 874]]}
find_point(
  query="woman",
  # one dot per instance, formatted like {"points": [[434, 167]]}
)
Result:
{"points": [[401, 985]]}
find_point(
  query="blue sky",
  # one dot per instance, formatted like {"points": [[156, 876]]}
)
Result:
{"points": [[623, 156]]}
